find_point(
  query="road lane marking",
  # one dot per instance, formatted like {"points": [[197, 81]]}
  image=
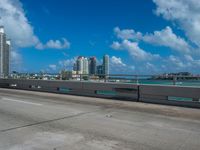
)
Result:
{"points": [[20, 101]]}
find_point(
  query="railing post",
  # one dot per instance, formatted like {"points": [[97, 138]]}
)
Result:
{"points": [[138, 93], [137, 81], [105, 76], [195, 100], [80, 77]]}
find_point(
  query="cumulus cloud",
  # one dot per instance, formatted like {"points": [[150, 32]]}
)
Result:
{"points": [[127, 34], [53, 67], [189, 58], [176, 61], [20, 30], [165, 37], [16, 24], [116, 45], [16, 60], [67, 64], [117, 61], [134, 50], [175, 64], [54, 44], [184, 13], [129, 40], [117, 66]]}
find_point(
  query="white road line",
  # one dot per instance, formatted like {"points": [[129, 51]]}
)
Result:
{"points": [[20, 101]]}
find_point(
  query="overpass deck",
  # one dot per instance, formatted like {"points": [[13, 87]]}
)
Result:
{"points": [[37, 120]]}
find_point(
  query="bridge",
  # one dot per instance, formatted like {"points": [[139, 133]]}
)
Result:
{"points": [[161, 94], [57, 115]]}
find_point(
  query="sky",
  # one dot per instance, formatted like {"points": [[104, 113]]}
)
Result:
{"points": [[140, 36]]}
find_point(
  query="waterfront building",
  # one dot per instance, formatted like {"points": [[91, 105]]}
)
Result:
{"points": [[105, 64], [92, 66], [82, 65], [89, 66], [100, 70], [75, 67], [79, 64], [85, 66], [5, 46]]}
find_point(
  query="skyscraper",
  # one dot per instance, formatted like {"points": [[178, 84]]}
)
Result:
{"points": [[7, 58], [79, 63], [82, 65], [105, 64], [4, 53], [85, 66], [100, 70], [75, 66], [92, 66]]}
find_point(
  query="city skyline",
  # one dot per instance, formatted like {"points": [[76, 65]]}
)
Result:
{"points": [[141, 37], [90, 66]]}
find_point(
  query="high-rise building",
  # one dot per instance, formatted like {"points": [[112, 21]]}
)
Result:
{"points": [[7, 58], [100, 70], [79, 64], [75, 66], [92, 66], [4, 53], [85, 66], [82, 65], [105, 64]]}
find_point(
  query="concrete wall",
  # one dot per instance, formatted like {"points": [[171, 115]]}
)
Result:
{"points": [[109, 90], [144, 93], [162, 94]]}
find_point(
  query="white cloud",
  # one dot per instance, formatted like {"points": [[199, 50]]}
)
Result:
{"points": [[15, 56], [117, 61], [116, 45], [127, 34], [53, 67], [20, 30], [57, 44], [167, 38], [117, 66], [67, 64], [176, 61], [153, 63], [16, 60], [184, 13], [134, 50], [188, 58], [16, 24], [151, 68]]}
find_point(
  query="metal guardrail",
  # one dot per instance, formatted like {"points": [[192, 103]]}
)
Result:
{"points": [[163, 94]]}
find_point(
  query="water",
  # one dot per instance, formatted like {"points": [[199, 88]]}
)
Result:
{"points": [[170, 82], [191, 83]]}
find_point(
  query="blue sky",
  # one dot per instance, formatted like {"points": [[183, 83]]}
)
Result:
{"points": [[140, 36]]}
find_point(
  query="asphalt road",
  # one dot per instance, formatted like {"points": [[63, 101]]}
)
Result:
{"points": [[44, 121]]}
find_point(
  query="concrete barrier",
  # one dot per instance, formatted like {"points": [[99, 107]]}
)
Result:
{"points": [[96, 89], [170, 95]]}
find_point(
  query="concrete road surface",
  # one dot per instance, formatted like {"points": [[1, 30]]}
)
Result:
{"points": [[45, 121]]}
